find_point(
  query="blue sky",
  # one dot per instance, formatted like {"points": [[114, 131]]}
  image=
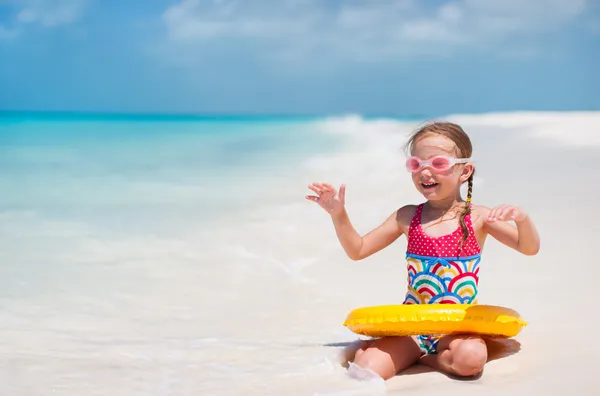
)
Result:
{"points": [[304, 56]]}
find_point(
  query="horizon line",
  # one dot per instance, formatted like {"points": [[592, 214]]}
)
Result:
{"points": [[241, 115]]}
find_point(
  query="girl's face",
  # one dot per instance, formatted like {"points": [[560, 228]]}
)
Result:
{"points": [[438, 185]]}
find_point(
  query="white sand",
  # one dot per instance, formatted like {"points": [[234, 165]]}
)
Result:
{"points": [[255, 305]]}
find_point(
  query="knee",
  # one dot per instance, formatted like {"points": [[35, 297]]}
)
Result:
{"points": [[469, 357], [358, 353], [368, 365], [363, 359]]}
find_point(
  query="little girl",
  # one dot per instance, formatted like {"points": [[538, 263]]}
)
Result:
{"points": [[445, 238]]}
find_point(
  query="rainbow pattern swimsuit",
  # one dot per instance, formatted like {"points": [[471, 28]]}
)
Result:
{"points": [[438, 273]]}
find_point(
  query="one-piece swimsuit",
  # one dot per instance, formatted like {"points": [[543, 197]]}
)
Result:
{"points": [[441, 270]]}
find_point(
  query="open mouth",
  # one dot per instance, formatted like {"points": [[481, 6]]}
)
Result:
{"points": [[428, 186]]}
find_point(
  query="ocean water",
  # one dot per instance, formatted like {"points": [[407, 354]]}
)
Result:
{"points": [[72, 163], [164, 255], [148, 255]]}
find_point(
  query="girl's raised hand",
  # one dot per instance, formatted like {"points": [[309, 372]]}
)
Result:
{"points": [[506, 213], [327, 197]]}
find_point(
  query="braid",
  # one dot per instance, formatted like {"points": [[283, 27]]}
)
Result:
{"points": [[463, 225], [470, 189]]}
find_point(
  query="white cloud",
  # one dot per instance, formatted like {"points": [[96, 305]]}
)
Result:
{"points": [[367, 29], [49, 13]]}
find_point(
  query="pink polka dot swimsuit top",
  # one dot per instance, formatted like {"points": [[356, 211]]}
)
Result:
{"points": [[421, 244], [440, 271]]}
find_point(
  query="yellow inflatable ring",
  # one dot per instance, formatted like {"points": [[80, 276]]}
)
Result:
{"points": [[414, 319]]}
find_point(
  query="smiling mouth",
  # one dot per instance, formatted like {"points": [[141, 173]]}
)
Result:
{"points": [[429, 185]]}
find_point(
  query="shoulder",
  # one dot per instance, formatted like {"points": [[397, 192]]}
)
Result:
{"points": [[479, 213], [405, 214], [480, 210]]}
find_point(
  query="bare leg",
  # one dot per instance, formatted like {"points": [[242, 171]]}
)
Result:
{"points": [[387, 356], [461, 355]]}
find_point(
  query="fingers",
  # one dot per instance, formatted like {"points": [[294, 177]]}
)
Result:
{"points": [[343, 194], [321, 188], [498, 213], [327, 187], [316, 188], [492, 214], [503, 213], [326, 193], [515, 213]]}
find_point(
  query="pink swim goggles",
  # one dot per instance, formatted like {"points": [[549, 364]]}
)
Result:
{"points": [[440, 163]]}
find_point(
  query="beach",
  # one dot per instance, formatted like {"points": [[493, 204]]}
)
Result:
{"points": [[155, 264]]}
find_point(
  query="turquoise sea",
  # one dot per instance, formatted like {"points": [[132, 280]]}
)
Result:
{"points": [[149, 254], [120, 166]]}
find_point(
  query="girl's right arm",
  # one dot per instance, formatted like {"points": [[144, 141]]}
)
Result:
{"points": [[355, 246]]}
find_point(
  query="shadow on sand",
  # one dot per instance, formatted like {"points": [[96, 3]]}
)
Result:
{"points": [[498, 348]]}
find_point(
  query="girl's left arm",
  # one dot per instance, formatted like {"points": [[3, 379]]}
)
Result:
{"points": [[524, 237]]}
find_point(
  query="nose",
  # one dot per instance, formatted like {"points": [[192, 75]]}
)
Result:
{"points": [[426, 172]]}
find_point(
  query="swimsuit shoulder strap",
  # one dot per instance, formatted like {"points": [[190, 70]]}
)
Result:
{"points": [[416, 219]]}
